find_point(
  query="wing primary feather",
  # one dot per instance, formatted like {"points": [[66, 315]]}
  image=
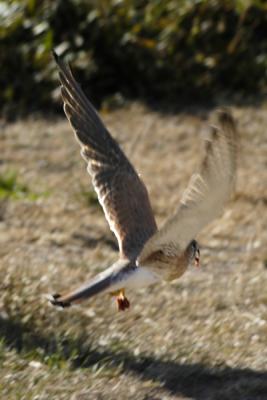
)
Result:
{"points": [[120, 191]]}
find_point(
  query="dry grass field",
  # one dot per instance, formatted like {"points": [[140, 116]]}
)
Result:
{"points": [[204, 337]]}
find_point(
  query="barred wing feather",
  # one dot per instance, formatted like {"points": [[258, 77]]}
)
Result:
{"points": [[121, 192]]}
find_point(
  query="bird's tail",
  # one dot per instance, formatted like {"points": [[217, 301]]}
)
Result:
{"points": [[108, 281]]}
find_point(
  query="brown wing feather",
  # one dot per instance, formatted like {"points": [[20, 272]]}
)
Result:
{"points": [[121, 192]]}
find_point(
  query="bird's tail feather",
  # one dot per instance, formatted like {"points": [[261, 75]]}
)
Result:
{"points": [[83, 292], [107, 281]]}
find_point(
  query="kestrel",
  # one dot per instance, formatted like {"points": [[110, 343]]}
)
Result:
{"points": [[146, 254]]}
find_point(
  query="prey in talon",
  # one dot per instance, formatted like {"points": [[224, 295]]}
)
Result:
{"points": [[147, 255]]}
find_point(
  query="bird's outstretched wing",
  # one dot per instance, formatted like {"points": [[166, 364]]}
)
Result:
{"points": [[206, 194], [120, 191]]}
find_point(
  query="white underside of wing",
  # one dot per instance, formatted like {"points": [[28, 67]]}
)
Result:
{"points": [[143, 277], [137, 278]]}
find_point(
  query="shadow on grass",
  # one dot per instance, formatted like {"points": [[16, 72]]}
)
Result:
{"points": [[196, 381]]}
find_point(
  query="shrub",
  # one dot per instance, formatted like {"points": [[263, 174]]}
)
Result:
{"points": [[161, 50]]}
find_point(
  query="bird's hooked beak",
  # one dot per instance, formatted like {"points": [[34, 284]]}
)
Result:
{"points": [[194, 252], [197, 258]]}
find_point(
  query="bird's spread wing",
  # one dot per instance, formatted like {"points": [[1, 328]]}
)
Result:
{"points": [[121, 192], [207, 192]]}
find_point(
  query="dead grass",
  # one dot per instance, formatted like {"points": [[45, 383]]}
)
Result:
{"points": [[204, 337]]}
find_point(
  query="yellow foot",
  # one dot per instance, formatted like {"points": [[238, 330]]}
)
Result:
{"points": [[122, 300]]}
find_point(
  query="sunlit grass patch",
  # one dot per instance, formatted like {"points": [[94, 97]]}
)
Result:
{"points": [[12, 187]]}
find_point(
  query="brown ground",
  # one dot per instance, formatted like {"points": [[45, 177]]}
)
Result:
{"points": [[203, 337]]}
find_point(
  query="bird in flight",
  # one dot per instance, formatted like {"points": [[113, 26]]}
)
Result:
{"points": [[146, 255]]}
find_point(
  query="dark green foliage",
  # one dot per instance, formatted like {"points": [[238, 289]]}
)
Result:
{"points": [[160, 50]]}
